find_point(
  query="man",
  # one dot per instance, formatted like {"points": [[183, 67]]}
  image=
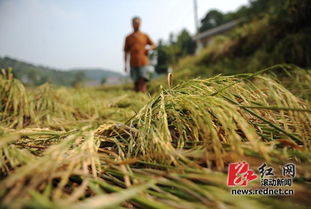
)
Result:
{"points": [[137, 45]]}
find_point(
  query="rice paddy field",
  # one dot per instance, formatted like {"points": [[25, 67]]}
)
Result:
{"points": [[109, 147]]}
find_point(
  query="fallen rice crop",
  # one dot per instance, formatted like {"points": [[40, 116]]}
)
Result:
{"points": [[88, 148]]}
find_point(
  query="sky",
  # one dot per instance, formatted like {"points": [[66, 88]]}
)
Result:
{"points": [[67, 34]]}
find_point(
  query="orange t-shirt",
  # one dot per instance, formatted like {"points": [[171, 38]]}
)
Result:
{"points": [[135, 44]]}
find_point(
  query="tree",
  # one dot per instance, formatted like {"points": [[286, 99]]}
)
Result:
{"points": [[163, 59], [212, 19], [178, 46], [186, 44], [78, 79], [32, 77], [103, 80]]}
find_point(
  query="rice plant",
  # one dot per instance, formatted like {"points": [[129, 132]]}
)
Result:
{"points": [[93, 148]]}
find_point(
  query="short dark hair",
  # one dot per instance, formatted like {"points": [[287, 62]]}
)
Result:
{"points": [[136, 18]]}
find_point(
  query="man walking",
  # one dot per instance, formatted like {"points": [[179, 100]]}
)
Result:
{"points": [[137, 45]]}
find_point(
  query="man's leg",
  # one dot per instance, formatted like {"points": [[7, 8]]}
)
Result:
{"points": [[136, 86], [134, 75], [142, 85], [142, 81]]}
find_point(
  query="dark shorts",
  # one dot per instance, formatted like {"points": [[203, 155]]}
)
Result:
{"points": [[143, 72]]}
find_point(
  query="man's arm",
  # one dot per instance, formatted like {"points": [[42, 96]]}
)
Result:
{"points": [[125, 60], [151, 45], [126, 54]]}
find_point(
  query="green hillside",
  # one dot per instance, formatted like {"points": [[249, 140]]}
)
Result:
{"points": [[96, 74], [31, 74], [270, 32]]}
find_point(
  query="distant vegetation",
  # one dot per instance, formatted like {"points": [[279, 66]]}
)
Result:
{"points": [[270, 32], [36, 75]]}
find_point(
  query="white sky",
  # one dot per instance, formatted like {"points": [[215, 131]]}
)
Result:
{"points": [[90, 33]]}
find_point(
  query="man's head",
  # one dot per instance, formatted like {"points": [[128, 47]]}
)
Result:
{"points": [[136, 23]]}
